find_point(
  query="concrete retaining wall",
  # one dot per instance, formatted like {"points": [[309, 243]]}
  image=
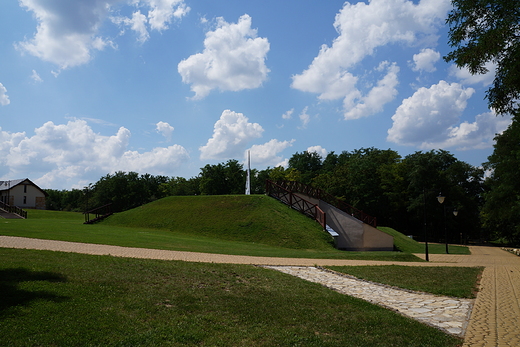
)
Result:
{"points": [[354, 235]]}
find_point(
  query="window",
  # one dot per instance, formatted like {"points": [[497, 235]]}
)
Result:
{"points": [[25, 188], [25, 200]]}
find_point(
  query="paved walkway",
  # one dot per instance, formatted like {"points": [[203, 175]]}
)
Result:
{"points": [[494, 321], [445, 313]]}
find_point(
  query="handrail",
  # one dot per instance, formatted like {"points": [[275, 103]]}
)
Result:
{"points": [[100, 213], [13, 209], [328, 198], [296, 202]]}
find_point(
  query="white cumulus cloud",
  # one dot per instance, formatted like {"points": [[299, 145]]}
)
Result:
{"points": [[305, 118], [165, 130], [430, 118], [4, 99], [67, 32], [318, 150], [425, 60], [468, 79], [67, 153], [160, 14], [267, 154], [383, 92], [233, 59], [231, 134], [137, 23], [362, 28], [475, 135], [288, 114]]}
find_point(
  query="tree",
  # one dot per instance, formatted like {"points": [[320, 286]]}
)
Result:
{"points": [[501, 212], [235, 177], [330, 162], [126, 190], [220, 179], [489, 31], [280, 174], [363, 178], [65, 200], [426, 174], [180, 186], [483, 31], [307, 163], [277, 174], [213, 180], [258, 178]]}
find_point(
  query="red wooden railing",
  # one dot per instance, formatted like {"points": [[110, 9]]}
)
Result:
{"points": [[297, 187], [296, 202]]}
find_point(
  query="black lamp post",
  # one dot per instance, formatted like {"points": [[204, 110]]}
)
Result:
{"points": [[85, 192], [455, 213], [440, 199]]}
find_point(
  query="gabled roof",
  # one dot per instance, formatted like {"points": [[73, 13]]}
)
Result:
{"points": [[6, 185]]}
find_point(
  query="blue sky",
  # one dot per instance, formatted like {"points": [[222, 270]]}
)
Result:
{"points": [[91, 87]]}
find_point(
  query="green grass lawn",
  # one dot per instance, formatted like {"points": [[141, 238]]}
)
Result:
{"points": [[66, 299], [459, 282], [242, 225]]}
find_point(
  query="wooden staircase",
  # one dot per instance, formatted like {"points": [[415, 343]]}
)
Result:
{"points": [[11, 212], [351, 229], [99, 213]]}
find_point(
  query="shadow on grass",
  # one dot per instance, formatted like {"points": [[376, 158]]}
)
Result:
{"points": [[13, 295]]}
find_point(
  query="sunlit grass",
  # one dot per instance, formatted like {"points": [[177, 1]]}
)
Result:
{"points": [[66, 299], [449, 281], [254, 225]]}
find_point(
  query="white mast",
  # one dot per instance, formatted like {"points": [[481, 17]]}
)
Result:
{"points": [[248, 179]]}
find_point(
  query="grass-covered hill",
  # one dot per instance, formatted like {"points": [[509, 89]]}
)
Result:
{"points": [[244, 225], [253, 218]]}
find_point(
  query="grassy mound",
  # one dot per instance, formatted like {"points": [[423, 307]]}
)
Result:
{"points": [[405, 244], [253, 218], [254, 225]]}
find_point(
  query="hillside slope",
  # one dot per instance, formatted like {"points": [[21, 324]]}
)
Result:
{"points": [[253, 218]]}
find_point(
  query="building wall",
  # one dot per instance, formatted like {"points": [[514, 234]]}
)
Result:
{"points": [[27, 196]]}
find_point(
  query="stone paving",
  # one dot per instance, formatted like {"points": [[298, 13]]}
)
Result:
{"points": [[495, 317], [445, 313]]}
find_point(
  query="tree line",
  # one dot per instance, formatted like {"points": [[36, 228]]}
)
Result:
{"points": [[398, 191], [482, 34]]}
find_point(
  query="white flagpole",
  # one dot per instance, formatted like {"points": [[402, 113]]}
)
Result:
{"points": [[248, 180]]}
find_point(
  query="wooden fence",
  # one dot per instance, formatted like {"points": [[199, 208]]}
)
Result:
{"points": [[99, 213], [289, 198], [297, 187], [13, 209]]}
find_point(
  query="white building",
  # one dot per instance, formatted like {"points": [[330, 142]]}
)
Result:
{"points": [[22, 193]]}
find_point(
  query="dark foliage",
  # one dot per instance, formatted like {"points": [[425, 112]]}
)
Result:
{"points": [[483, 31], [501, 211], [378, 182]]}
